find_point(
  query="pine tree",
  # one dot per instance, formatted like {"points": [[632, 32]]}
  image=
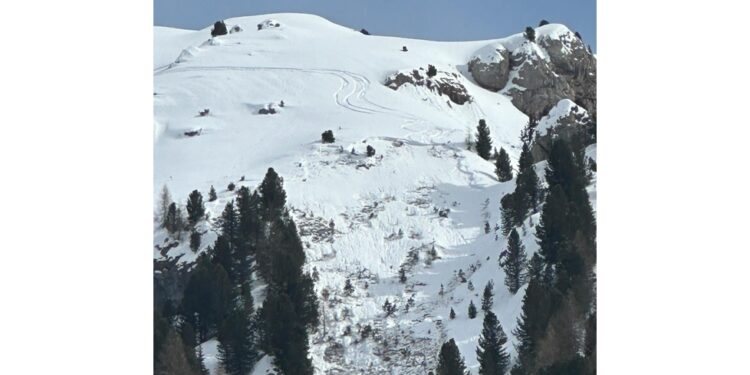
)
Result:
{"points": [[514, 263], [531, 325], [484, 143], [212, 194], [327, 137], [220, 28], [370, 151], [503, 170], [237, 343], [472, 310], [195, 208], [450, 361], [527, 185], [208, 296], [491, 353], [487, 296], [272, 196], [543, 22], [195, 240], [284, 335], [530, 34], [452, 314], [402, 275], [348, 288], [165, 200], [431, 71]]}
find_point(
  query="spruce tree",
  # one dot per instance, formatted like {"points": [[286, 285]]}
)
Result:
{"points": [[237, 342], [452, 314], [532, 325], [514, 263], [487, 296], [502, 166], [208, 296], [165, 200], [491, 353], [472, 310], [195, 240], [431, 71], [484, 143], [530, 34], [284, 335], [212, 194], [272, 196], [450, 361], [195, 208], [527, 184], [348, 288]]}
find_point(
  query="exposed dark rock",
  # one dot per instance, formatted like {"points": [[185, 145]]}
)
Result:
{"points": [[491, 67], [574, 126], [443, 83]]}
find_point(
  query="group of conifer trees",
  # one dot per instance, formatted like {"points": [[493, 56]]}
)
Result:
{"points": [[255, 235], [556, 331]]}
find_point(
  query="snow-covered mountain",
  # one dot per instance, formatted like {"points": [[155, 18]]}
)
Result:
{"points": [[422, 189]]}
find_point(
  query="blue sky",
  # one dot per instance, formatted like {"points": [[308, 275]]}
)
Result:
{"points": [[426, 19]]}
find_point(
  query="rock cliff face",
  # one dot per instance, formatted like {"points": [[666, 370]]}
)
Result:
{"points": [[443, 83], [537, 75]]}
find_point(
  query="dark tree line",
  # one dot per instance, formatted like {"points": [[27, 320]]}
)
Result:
{"points": [[255, 232], [557, 327]]}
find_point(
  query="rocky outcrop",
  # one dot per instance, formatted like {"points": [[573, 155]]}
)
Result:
{"points": [[566, 120], [556, 66], [443, 83], [572, 60], [490, 67], [169, 283]]}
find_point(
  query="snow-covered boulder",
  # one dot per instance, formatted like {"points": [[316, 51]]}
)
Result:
{"points": [[442, 83], [490, 67], [268, 24], [269, 109], [236, 29]]}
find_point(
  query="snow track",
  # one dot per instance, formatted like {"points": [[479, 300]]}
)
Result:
{"points": [[352, 94]]}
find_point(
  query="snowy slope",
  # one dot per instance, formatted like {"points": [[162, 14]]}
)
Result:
{"points": [[331, 77]]}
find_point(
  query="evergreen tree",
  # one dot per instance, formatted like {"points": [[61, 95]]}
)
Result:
{"points": [[272, 196], [348, 288], [402, 275], [212, 194], [431, 71], [527, 185], [452, 314], [472, 310], [543, 22], [208, 296], [237, 343], [195, 240], [487, 296], [530, 34], [370, 151], [491, 354], [450, 361], [536, 268], [514, 263], [195, 208], [327, 137], [484, 143], [503, 170], [220, 28], [531, 325], [165, 200], [284, 335]]}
